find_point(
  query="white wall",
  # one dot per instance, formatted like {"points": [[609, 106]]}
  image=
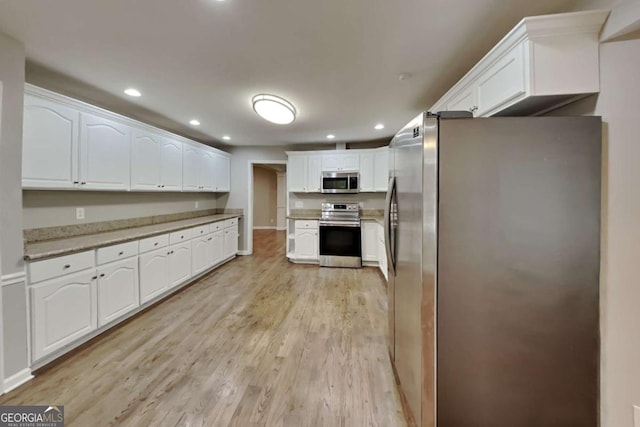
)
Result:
{"points": [[14, 318], [238, 198], [54, 208], [619, 105]]}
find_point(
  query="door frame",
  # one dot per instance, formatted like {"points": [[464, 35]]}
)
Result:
{"points": [[249, 217]]}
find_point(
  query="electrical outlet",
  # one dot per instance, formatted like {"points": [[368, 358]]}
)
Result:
{"points": [[197, 204], [79, 213], [636, 416], [299, 205]]}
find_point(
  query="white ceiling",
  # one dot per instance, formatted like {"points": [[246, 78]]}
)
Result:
{"points": [[337, 61]]}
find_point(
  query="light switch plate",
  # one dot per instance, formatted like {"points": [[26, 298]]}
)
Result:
{"points": [[636, 416], [197, 205], [79, 213]]}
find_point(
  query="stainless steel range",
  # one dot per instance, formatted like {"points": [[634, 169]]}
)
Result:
{"points": [[340, 235]]}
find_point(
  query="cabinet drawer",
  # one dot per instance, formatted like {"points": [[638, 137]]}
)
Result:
{"points": [[230, 222], [216, 226], [116, 252], [180, 236], [154, 242], [50, 268], [200, 230], [306, 224]]}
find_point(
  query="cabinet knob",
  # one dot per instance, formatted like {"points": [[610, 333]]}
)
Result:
{"points": [[83, 182], [120, 253], [473, 109], [94, 277], [67, 266], [76, 182], [155, 244], [163, 186], [102, 275]]}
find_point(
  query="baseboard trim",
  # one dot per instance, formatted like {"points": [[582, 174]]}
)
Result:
{"points": [[264, 227], [16, 380], [244, 253], [281, 228]]}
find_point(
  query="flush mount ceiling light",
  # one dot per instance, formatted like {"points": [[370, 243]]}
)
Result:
{"points": [[226, 137], [379, 126], [274, 109], [133, 92], [194, 122], [330, 136]]}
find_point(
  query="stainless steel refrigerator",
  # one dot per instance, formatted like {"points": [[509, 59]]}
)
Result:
{"points": [[493, 240]]}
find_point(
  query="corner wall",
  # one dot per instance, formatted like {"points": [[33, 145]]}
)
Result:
{"points": [[14, 303]]}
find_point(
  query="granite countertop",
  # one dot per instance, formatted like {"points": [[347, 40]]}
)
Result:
{"points": [[377, 218], [304, 216], [51, 248]]}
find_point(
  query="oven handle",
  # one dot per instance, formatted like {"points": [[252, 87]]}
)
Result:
{"points": [[339, 224], [387, 225]]}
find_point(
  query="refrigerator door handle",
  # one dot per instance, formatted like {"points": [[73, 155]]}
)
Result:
{"points": [[387, 225]]}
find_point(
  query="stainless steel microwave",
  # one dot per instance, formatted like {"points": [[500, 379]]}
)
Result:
{"points": [[340, 182]]}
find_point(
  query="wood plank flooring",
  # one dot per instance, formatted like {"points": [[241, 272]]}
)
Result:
{"points": [[258, 342]]}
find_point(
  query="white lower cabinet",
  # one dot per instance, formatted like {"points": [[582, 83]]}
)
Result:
{"points": [[230, 241], [382, 251], [200, 254], [369, 241], [306, 244], [217, 246], [179, 263], [154, 274], [63, 310], [118, 291]]}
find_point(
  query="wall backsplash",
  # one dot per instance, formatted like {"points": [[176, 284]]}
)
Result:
{"points": [[314, 200], [55, 208]]}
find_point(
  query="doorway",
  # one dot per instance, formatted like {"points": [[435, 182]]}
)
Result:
{"points": [[267, 198]]}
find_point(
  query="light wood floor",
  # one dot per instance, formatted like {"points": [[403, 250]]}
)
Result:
{"points": [[258, 342]]}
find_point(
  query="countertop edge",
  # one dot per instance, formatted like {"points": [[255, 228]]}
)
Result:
{"points": [[117, 240]]}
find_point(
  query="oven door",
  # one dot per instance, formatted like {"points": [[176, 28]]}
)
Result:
{"points": [[340, 244]]}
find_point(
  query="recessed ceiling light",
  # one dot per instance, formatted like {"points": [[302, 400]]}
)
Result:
{"points": [[274, 109], [379, 126], [226, 137], [133, 92], [330, 136], [194, 122]]}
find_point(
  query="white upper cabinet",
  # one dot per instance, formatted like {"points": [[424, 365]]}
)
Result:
{"points": [[314, 173], [68, 144], [190, 167], [222, 170], [171, 165], [146, 155], [543, 62], [366, 172], [50, 144], [340, 162], [207, 170], [297, 173], [104, 153], [381, 169]]}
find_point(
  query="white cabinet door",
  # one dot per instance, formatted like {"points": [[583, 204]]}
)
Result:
{"points": [[230, 241], [50, 145], [179, 263], [502, 82], [382, 251], [104, 154], [306, 244], [223, 173], [154, 274], [171, 165], [118, 291], [207, 170], [314, 174], [465, 100], [367, 172], [369, 241], [341, 162], [217, 246], [63, 310], [330, 162], [381, 169], [190, 168], [297, 173], [200, 254], [146, 149]]}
